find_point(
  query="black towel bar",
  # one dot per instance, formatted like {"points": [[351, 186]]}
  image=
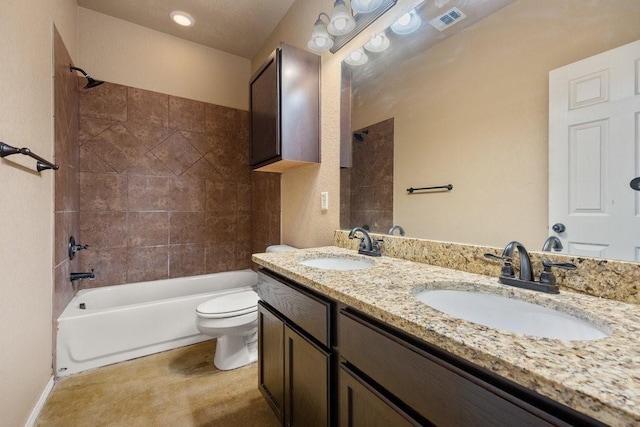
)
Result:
{"points": [[41, 164], [447, 187]]}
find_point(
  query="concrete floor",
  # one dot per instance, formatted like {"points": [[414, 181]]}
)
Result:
{"points": [[179, 387]]}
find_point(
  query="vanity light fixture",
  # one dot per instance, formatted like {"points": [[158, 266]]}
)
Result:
{"points": [[365, 6], [357, 57], [182, 18], [407, 23], [343, 26], [320, 38], [341, 21], [378, 43]]}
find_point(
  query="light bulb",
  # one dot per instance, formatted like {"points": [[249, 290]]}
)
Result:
{"points": [[376, 41], [182, 18], [321, 41], [356, 55], [404, 19], [340, 24]]}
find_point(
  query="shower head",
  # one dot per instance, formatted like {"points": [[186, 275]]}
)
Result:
{"points": [[91, 82], [360, 135]]}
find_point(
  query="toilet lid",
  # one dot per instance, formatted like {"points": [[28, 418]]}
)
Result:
{"points": [[235, 304]]}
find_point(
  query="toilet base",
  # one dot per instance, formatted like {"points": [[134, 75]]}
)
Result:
{"points": [[236, 351]]}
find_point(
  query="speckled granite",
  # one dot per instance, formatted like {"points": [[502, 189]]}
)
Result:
{"points": [[599, 378], [617, 280]]}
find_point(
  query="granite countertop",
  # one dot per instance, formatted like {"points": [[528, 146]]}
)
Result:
{"points": [[600, 378]]}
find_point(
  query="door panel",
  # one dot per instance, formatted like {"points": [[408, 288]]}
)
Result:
{"points": [[594, 152]]}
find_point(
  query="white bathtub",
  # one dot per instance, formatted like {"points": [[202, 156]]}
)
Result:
{"points": [[128, 321]]}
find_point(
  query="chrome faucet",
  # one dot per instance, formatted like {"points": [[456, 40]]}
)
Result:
{"points": [[552, 242], [367, 245], [394, 228], [525, 278]]}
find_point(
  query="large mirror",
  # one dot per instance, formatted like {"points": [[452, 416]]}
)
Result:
{"points": [[468, 106]]}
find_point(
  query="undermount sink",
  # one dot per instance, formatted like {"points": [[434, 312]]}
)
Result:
{"points": [[344, 264], [510, 314]]}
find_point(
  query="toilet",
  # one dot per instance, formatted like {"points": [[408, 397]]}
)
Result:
{"points": [[233, 320]]}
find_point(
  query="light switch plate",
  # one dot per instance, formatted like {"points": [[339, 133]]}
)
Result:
{"points": [[324, 201]]}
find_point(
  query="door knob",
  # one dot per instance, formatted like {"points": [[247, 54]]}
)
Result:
{"points": [[635, 183], [558, 227]]}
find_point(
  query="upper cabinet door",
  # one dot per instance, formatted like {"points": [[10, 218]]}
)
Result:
{"points": [[264, 114], [285, 111]]}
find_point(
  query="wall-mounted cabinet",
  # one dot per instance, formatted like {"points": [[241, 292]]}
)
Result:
{"points": [[285, 111]]}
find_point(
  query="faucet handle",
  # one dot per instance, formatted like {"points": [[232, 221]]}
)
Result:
{"points": [[507, 264], [564, 265], [547, 277]]}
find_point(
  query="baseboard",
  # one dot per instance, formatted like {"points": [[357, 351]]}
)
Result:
{"points": [[35, 413]]}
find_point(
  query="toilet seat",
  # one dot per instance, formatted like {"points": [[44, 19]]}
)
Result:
{"points": [[230, 305]]}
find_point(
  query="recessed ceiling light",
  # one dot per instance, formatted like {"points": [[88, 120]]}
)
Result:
{"points": [[182, 18]]}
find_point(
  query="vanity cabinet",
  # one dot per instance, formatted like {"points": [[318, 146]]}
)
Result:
{"points": [[294, 354], [424, 385], [284, 111], [322, 363]]}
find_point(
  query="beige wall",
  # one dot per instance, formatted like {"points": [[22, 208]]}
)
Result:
{"points": [[303, 223], [121, 52], [26, 198], [473, 112]]}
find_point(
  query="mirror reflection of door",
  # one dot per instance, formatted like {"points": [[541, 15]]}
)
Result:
{"points": [[594, 152]]}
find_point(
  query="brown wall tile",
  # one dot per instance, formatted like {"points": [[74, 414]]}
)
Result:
{"points": [[187, 227], [147, 228], [109, 265], [186, 114], [186, 260], [101, 229], [221, 196], [107, 101], [176, 153], [148, 193], [147, 263], [220, 257], [117, 147], [147, 108], [103, 192]]}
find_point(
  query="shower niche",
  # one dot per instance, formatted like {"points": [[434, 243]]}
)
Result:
{"points": [[285, 111]]}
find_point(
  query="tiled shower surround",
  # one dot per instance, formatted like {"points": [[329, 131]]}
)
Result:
{"points": [[165, 187], [66, 206], [366, 189]]}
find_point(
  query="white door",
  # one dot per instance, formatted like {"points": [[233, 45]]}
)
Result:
{"points": [[594, 153]]}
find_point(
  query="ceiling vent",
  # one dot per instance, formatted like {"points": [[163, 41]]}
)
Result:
{"points": [[447, 19]]}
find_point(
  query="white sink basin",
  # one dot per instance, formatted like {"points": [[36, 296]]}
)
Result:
{"points": [[511, 315], [343, 264]]}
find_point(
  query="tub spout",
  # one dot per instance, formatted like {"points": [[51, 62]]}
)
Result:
{"points": [[79, 276]]}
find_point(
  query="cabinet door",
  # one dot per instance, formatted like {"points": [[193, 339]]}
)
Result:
{"points": [[306, 382], [264, 121], [362, 406], [271, 358]]}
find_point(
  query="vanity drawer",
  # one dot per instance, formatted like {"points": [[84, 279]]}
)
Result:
{"points": [[309, 312], [437, 391]]}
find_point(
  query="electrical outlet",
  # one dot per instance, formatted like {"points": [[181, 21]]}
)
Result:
{"points": [[324, 201]]}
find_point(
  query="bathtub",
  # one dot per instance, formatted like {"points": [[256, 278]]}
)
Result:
{"points": [[123, 322]]}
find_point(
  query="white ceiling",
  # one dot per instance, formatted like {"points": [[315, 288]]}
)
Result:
{"points": [[239, 27]]}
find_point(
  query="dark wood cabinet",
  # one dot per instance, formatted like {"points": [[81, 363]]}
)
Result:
{"points": [[313, 349], [306, 379], [271, 359], [294, 364], [285, 111], [363, 406]]}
